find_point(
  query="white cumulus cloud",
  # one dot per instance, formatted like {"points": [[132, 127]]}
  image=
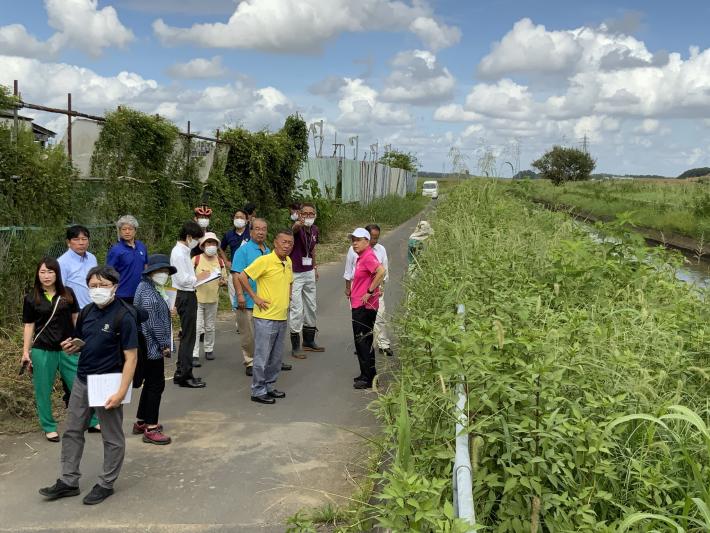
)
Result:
{"points": [[303, 26], [79, 23], [417, 78], [199, 68]]}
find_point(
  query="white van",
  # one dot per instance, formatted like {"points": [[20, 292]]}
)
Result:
{"points": [[431, 188]]}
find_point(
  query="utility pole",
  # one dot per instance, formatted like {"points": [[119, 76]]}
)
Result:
{"points": [[585, 144], [355, 141], [316, 130]]}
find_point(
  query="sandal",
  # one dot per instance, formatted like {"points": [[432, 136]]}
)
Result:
{"points": [[52, 436]]}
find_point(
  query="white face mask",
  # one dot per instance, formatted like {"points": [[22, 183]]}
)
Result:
{"points": [[160, 278], [309, 222], [294, 216], [101, 295], [192, 243], [203, 222], [239, 223], [211, 250]]}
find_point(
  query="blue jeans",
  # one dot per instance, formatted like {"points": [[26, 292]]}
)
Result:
{"points": [[269, 338]]}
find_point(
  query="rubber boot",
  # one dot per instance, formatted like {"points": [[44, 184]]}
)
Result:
{"points": [[309, 340], [296, 346]]}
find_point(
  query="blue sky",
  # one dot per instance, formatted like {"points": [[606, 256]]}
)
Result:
{"points": [[486, 77]]}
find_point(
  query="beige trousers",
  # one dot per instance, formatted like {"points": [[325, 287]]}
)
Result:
{"points": [[246, 335]]}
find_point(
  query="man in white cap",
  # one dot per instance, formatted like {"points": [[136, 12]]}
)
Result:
{"points": [[364, 302]]}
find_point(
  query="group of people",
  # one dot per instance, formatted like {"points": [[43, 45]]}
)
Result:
{"points": [[117, 318]]}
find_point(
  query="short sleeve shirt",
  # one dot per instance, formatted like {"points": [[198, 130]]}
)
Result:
{"points": [[60, 328], [234, 240], [273, 278], [245, 256], [365, 268], [304, 245], [130, 262], [103, 352]]}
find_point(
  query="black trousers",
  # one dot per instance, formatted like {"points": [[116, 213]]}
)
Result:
{"points": [[186, 305], [153, 387], [363, 323]]}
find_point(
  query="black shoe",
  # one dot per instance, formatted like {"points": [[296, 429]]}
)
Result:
{"points": [[196, 363], [192, 383], [387, 351], [276, 394], [264, 398], [286, 366], [59, 490], [362, 385], [249, 371], [209, 356], [97, 495], [360, 378]]}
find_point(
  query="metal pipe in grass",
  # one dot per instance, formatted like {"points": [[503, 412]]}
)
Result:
{"points": [[463, 473]]}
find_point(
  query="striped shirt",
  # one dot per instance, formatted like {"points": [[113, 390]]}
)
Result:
{"points": [[156, 329]]}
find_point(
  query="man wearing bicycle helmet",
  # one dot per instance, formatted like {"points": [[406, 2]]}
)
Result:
{"points": [[202, 216]]}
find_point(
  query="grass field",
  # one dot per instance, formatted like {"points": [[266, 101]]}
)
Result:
{"points": [[680, 206]]}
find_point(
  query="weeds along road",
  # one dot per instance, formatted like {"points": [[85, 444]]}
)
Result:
{"points": [[233, 465]]}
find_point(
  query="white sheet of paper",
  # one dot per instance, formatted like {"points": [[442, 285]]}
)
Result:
{"points": [[171, 296], [307, 261], [101, 386], [213, 276]]}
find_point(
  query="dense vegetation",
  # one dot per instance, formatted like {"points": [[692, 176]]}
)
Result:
{"points": [[695, 173], [586, 367], [403, 160], [680, 207]]}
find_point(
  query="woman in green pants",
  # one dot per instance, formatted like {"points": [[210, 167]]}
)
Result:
{"points": [[49, 314]]}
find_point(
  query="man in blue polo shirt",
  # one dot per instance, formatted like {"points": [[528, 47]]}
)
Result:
{"points": [[109, 331], [129, 257], [245, 255]]}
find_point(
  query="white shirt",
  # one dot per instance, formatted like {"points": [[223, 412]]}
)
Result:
{"points": [[351, 259], [184, 279]]}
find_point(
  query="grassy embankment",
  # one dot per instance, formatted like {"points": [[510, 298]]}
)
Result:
{"points": [[17, 411], [586, 370], [671, 207]]}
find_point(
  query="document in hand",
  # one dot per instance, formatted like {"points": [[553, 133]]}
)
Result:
{"points": [[101, 386], [170, 297], [213, 276]]}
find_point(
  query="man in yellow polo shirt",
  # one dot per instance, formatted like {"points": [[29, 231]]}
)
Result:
{"points": [[273, 276]]}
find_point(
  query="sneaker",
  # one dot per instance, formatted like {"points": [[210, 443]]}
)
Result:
{"points": [[387, 351], [209, 356], [249, 371], [196, 363], [155, 436], [362, 385], [97, 495], [59, 490], [140, 427]]}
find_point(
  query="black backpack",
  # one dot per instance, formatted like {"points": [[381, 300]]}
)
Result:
{"points": [[140, 316]]}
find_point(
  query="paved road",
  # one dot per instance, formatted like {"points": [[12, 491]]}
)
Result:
{"points": [[233, 465]]}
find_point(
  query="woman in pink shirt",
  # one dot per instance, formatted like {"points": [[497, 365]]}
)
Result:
{"points": [[364, 302]]}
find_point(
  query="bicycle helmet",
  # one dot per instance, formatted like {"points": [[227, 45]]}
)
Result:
{"points": [[203, 211]]}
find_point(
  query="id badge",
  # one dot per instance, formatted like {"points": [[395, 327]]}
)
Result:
{"points": [[307, 261]]}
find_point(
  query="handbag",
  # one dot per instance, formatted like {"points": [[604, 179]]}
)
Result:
{"points": [[48, 321]]}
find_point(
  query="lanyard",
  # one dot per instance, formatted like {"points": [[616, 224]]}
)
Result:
{"points": [[307, 241]]}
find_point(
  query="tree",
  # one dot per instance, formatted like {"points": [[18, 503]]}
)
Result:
{"points": [[695, 173], [397, 159], [565, 164]]}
